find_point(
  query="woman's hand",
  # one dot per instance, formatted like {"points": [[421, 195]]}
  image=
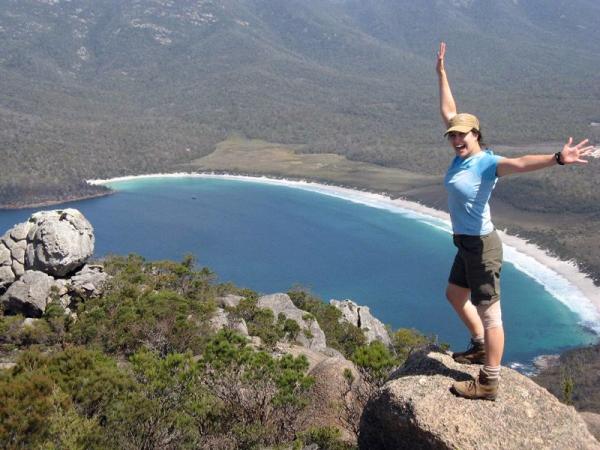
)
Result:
{"points": [[440, 61], [570, 155], [529, 163]]}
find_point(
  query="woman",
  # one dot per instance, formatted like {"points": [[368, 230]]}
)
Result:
{"points": [[473, 285]]}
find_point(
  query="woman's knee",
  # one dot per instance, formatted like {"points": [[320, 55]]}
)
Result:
{"points": [[491, 315], [456, 294]]}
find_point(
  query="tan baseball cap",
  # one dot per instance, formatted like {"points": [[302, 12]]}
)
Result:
{"points": [[463, 123]]}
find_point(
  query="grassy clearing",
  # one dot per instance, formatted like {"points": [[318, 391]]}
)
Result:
{"points": [[243, 156]]}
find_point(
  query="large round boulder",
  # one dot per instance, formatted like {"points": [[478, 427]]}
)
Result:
{"points": [[59, 242]]}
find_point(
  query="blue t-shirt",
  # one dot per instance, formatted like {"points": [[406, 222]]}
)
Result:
{"points": [[469, 184]]}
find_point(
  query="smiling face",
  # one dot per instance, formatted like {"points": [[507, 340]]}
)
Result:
{"points": [[464, 144]]}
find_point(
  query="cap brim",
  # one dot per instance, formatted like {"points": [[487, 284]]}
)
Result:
{"points": [[459, 128]]}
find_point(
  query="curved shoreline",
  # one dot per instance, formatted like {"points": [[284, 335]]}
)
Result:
{"points": [[565, 269], [55, 202]]}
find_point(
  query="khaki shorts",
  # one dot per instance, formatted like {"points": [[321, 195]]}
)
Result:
{"points": [[477, 266]]}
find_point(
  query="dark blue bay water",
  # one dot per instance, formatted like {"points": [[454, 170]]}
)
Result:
{"points": [[271, 238]]}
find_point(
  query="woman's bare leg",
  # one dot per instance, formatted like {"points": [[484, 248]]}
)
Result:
{"points": [[494, 346], [459, 299]]}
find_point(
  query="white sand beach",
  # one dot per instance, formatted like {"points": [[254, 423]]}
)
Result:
{"points": [[581, 285]]}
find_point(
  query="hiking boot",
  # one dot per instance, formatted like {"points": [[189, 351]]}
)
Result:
{"points": [[481, 388], [475, 354]]}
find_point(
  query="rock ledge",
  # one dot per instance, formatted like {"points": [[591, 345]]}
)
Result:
{"points": [[416, 410]]}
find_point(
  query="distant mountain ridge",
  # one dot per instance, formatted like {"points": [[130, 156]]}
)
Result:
{"points": [[101, 88]]}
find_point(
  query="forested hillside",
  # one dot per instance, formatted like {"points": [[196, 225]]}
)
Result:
{"points": [[104, 88]]}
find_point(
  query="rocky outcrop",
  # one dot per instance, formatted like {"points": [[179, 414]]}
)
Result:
{"points": [[82, 285], [310, 336], [223, 319], [282, 303], [360, 316], [416, 410], [44, 260], [339, 403]]}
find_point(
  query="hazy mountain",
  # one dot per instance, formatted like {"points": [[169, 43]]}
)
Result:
{"points": [[97, 88]]}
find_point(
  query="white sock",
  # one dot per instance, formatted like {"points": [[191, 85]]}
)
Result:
{"points": [[477, 338], [492, 372]]}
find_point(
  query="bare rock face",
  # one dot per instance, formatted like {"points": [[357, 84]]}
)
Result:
{"points": [[58, 242], [416, 410], [7, 275], [360, 316]]}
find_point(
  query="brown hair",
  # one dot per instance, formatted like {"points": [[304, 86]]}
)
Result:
{"points": [[480, 140]]}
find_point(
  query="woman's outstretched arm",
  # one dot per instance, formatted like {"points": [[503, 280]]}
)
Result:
{"points": [[529, 163]]}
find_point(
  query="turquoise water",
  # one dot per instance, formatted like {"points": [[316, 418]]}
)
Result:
{"points": [[271, 238]]}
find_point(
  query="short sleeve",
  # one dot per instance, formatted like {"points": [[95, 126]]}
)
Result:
{"points": [[487, 166]]}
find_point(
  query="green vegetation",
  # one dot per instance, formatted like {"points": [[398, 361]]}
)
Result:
{"points": [[141, 368]]}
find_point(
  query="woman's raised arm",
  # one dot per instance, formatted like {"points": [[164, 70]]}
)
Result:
{"points": [[447, 103]]}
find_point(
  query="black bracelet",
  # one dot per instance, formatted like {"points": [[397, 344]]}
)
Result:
{"points": [[557, 158]]}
